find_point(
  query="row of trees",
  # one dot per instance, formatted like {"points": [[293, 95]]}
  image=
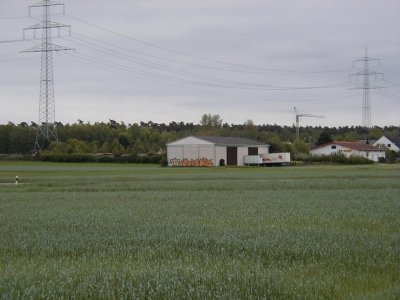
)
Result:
{"points": [[150, 138]]}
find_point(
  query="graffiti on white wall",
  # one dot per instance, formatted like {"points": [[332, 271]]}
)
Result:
{"points": [[200, 162]]}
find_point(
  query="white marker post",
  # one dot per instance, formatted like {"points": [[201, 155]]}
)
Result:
{"points": [[16, 180]]}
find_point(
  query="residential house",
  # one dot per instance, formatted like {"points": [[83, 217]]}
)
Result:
{"points": [[384, 142], [350, 149]]}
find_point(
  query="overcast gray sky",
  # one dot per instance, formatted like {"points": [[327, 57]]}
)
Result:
{"points": [[174, 60]]}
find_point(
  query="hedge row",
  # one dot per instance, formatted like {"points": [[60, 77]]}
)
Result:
{"points": [[336, 159], [16, 157], [79, 158], [159, 159]]}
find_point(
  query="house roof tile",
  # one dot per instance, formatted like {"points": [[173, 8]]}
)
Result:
{"points": [[355, 146], [231, 141]]}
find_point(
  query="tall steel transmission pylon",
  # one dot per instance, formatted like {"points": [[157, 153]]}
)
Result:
{"points": [[46, 131], [366, 86]]}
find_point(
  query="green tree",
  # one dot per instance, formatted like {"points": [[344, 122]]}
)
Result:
{"points": [[21, 140], [299, 147], [209, 120], [138, 147], [78, 146], [324, 138], [273, 140], [5, 132], [375, 133]]}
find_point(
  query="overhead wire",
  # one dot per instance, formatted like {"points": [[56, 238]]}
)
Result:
{"points": [[194, 78], [216, 82], [12, 17], [392, 84], [390, 70], [195, 81], [242, 66], [387, 95], [181, 62], [147, 63], [100, 63], [224, 83], [10, 41]]}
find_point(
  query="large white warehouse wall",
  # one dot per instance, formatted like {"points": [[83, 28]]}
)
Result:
{"points": [[196, 151], [190, 151], [206, 152], [241, 152], [220, 153], [174, 152], [263, 150], [190, 155]]}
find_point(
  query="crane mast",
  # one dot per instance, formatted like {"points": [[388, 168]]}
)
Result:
{"points": [[298, 118]]}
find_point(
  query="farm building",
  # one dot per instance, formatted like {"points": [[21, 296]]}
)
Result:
{"points": [[350, 149], [212, 151]]}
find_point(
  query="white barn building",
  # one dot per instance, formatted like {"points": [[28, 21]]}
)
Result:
{"points": [[207, 151], [350, 149]]}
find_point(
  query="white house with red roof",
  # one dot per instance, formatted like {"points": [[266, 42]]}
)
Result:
{"points": [[350, 149]]}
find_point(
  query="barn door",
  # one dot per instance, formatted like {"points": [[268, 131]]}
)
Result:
{"points": [[231, 156]]}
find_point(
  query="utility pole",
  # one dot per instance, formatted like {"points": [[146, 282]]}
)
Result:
{"points": [[366, 86], [298, 117], [46, 131]]}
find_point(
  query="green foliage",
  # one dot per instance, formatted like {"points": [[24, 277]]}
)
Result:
{"points": [[16, 139], [209, 120], [126, 232], [67, 157], [335, 158], [324, 138], [272, 139], [391, 157], [164, 160], [151, 138], [299, 147], [138, 147], [88, 157]]}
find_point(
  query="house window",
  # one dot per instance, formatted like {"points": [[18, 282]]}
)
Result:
{"points": [[333, 147], [389, 145]]}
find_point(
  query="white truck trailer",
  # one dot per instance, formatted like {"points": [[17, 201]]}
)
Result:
{"points": [[268, 159]]}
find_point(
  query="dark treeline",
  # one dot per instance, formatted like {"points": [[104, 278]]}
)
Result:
{"points": [[150, 137]]}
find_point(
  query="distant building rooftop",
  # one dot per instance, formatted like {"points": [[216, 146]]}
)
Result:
{"points": [[227, 141], [355, 146]]}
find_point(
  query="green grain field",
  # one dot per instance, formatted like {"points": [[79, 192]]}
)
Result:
{"points": [[108, 231]]}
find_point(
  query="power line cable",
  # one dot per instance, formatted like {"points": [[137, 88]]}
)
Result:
{"points": [[201, 58], [13, 17], [390, 70], [222, 82], [392, 83], [172, 60], [130, 50], [10, 41], [388, 95], [100, 63], [205, 83]]}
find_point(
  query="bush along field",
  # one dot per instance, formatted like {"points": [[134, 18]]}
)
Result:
{"points": [[120, 231]]}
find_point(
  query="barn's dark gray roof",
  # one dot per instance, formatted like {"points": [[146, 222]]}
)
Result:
{"points": [[231, 141]]}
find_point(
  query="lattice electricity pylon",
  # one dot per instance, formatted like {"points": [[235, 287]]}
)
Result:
{"points": [[46, 131], [366, 87]]}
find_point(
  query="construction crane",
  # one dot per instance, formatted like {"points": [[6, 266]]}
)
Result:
{"points": [[298, 117]]}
